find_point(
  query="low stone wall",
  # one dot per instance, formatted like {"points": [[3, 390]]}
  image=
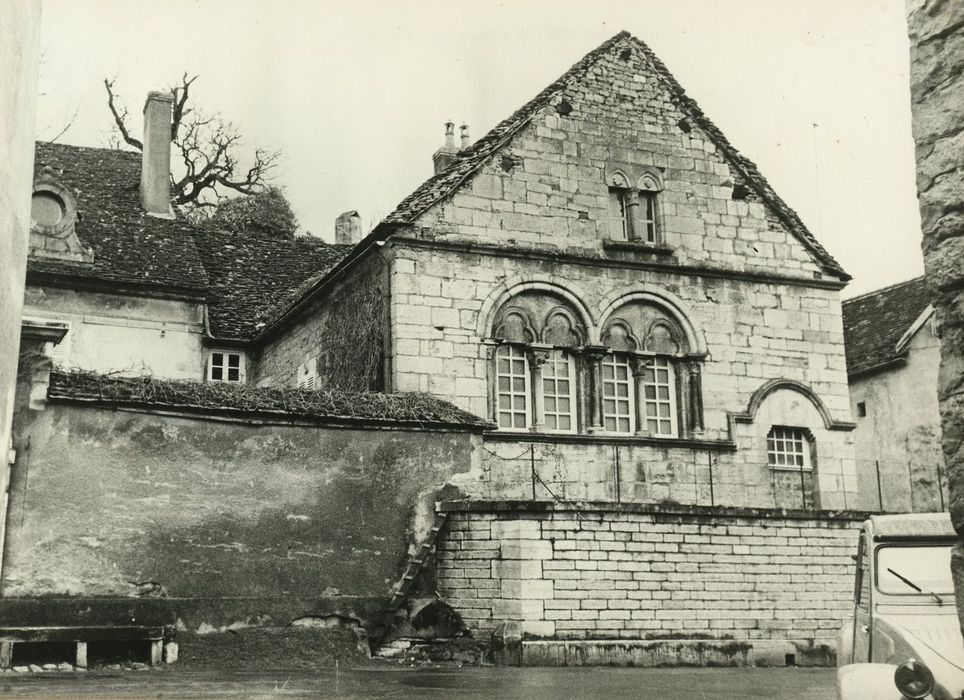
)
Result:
{"points": [[700, 585]]}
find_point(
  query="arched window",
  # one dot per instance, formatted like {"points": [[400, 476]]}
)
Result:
{"points": [[658, 377], [536, 364], [634, 209], [643, 378]]}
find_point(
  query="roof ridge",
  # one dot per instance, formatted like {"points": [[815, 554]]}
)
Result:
{"points": [[881, 290]]}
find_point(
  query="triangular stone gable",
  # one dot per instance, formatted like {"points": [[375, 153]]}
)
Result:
{"points": [[540, 176]]}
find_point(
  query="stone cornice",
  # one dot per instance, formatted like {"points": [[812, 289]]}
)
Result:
{"points": [[657, 265]]}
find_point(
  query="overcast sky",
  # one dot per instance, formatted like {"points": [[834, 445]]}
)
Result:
{"points": [[355, 94]]}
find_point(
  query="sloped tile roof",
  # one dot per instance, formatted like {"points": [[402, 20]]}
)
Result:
{"points": [[874, 323], [130, 247], [254, 275], [408, 409], [444, 184]]}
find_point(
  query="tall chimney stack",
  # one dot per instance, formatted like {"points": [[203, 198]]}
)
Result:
{"points": [[465, 137], [445, 156], [156, 158], [348, 228]]}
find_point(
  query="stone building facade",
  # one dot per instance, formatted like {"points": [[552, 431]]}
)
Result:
{"points": [[637, 318], [606, 279], [893, 354]]}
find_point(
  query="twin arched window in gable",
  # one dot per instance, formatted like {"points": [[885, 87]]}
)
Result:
{"points": [[642, 379], [634, 208]]}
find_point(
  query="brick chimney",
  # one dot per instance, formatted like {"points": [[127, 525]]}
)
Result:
{"points": [[156, 158], [445, 156], [348, 228], [466, 140]]}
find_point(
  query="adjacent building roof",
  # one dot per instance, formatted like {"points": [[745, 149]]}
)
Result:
{"points": [[130, 248], [875, 322], [332, 407], [445, 183], [254, 275]]}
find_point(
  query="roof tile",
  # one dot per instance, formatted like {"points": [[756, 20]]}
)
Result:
{"points": [[874, 322]]}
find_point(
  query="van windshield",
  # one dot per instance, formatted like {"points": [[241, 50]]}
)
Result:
{"points": [[900, 568]]}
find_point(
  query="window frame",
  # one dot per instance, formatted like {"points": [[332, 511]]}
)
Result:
{"points": [[629, 399], [572, 377], [522, 349], [225, 365], [806, 438], [672, 399]]}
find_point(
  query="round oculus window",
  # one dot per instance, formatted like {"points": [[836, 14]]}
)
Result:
{"points": [[47, 209]]}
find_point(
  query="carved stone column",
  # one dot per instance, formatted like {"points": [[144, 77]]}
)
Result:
{"points": [[695, 398], [594, 355], [538, 356], [489, 346]]}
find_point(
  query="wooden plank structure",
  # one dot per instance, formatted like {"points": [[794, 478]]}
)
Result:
{"points": [[81, 636]]}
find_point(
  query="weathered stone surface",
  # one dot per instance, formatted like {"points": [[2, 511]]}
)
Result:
{"points": [[936, 29]]}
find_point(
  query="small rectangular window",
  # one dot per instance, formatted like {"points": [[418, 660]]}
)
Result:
{"points": [[307, 377], [512, 387], [559, 392], [224, 366], [617, 394], [861, 409], [788, 448]]}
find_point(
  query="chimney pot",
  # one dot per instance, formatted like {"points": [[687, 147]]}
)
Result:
{"points": [[447, 154], [348, 228], [466, 140], [156, 157]]}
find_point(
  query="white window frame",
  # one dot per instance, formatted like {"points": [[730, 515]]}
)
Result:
{"points": [[225, 365], [652, 404], [615, 361], [550, 378], [789, 443], [513, 352]]}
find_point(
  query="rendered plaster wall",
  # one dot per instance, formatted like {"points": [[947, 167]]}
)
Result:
{"points": [[19, 60], [772, 583], [220, 523], [901, 434], [937, 79], [341, 336], [127, 335], [754, 332]]}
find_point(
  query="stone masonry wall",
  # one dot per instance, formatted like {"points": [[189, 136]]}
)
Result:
{"points": [[937, 79], [341, 337], [754, 331], [780, 582]]}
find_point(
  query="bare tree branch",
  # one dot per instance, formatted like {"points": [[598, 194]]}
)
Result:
{"points": [[207, 147], [120, 118], [70, 123]]}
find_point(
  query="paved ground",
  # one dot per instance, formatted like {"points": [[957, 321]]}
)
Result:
{"points": [[501, 683]]}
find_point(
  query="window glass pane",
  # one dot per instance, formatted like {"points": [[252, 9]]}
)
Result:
{"points": [[233, 374], [512, 386], [558, 390], [659, 397], [617, 386], [234, 360], [217, 373], [617, 213], [788, 448]]}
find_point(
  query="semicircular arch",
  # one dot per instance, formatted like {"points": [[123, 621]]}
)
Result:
{"points": [[668, 301]]}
